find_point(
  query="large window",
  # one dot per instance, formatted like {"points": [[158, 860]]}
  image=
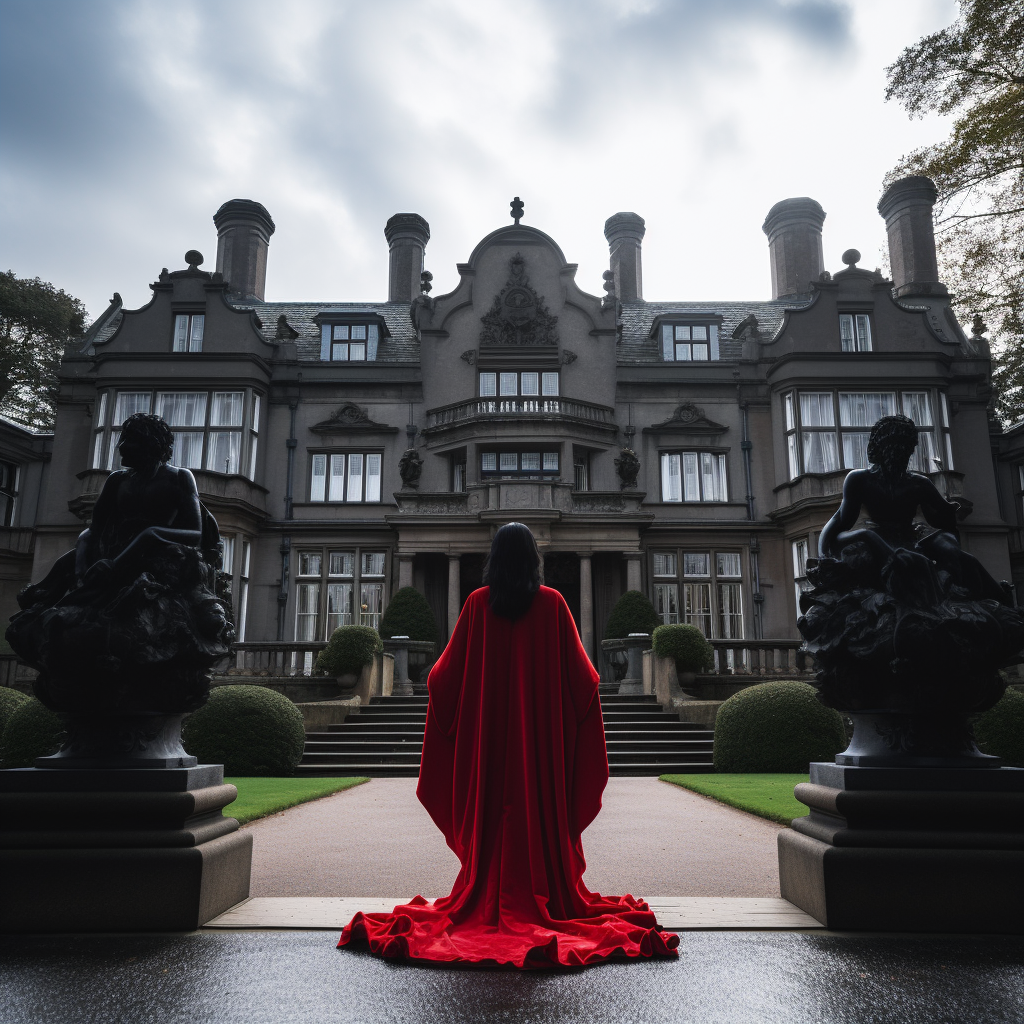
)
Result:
{"points": [[512, 383], [689, 343], [349, 343], [188, 332], [537, 463], [338, 477], [826, 432], [702, 588], [9, 479], [338, 588], [693, 476]]}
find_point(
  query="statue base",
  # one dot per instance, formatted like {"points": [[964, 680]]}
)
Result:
{"points": [[118, 851], [126, 741], [908, 849], [888, 739]]}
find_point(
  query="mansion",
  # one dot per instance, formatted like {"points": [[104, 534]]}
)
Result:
{"points": [[692, 450]]}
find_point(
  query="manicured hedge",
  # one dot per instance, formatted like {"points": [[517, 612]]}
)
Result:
{"points": [[686, 644], [251, 730], [409, 614], [32, 731], [348, 650], [10, 701], [1000, 731], [633, 613], [776, 727]]}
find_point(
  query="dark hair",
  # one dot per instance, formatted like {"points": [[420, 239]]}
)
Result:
{"points": [[892, 442], [154, 433], [512, 572]]}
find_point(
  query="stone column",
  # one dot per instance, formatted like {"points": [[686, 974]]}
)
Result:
{"points": [[632, 569], [404, 571], [454, 585], [586, 606]]}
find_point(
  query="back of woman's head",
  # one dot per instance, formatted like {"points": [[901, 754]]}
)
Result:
{"points": [[512, 572]]}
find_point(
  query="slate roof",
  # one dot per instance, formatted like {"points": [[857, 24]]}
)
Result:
{"points": [[400, 347], [637, 347]]}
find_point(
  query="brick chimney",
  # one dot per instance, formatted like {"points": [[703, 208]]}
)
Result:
{"points": [[907, 209], [243, 238], [625, 233], [793, 228], [407, 235]]}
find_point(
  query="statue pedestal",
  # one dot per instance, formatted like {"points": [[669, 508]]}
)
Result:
{"points": [[94, 850], [908, 849]]}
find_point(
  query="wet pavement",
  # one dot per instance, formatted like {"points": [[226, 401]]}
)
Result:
{"points": [[720, 978]]}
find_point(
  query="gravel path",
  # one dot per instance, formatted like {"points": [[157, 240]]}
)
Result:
{"points": [[651, 839]]}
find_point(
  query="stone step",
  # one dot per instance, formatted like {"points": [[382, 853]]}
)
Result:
{"points": [[648, 770]]}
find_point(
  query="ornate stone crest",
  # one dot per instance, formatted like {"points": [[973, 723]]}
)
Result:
{"points": [[518, 315]]}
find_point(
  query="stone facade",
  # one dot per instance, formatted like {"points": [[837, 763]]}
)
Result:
{"points": [[692, 450]]}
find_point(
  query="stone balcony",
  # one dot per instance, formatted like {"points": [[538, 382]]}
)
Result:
{"points": [[519, 495]]}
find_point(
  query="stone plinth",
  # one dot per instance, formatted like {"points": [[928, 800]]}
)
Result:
{"points": [[908, 849], [627, 659], [118, 850], [400, 647]]}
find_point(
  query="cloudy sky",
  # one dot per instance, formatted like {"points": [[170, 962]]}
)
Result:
{"points": [[128, 122]]}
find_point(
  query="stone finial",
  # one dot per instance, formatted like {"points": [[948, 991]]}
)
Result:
{"points": [[850, 258], [425, 278], [194, 259], [517, 209]]}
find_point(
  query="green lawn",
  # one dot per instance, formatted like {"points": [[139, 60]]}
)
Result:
{"points": [[768, 795], [260, 797]]}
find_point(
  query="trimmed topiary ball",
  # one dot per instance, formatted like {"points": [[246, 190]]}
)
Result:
{"points": [[1000, 730], [32, 731], [348, 650], [409, 614], [10, 701], [776, 727], [251, 730], [633, 613], [687, 644]]}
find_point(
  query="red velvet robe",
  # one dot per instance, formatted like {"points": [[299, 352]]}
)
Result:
{"points": [[514, 764]]}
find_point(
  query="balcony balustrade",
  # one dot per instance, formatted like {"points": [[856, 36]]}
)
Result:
{"points": [[491, 409]]}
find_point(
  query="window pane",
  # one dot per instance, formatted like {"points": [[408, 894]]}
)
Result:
{"points": [[794, 457], [101, 416], [355, 478], [113, 456], [246, 549], [942, 401], [855, 451], [182, 410], [181, 333], [339, 606], [865, 410], [549, 383], [551, 461], [697, 606], [373, 478], [256, 413], [488, 384], [696, 564], [188, 449], [531, 461], [509, 383], [307, 604], [508, 461], [821, 455], [923, 459], [252, 457], [666, 602], [721, 485], [223, 451], [816, 410], [682, 334], [318, 478], [670, 484], [371, 604], [341, 332], [372, 563], [341, 563], [227, 409], [799, 559], [691, 487], [664, 564], [728, 563], [357, 352], [195, 341], [949, 453], [707, 473], [863, 333], [325, 342], [730, 611], [228, 555], [790, 417], [310, 563], [700, 353], [531, 383], [668, 351], [97, 451], [846, 332], [682, 353], [339, 351], [488, 462], [337, 484], [917, 407], [358, 333], [243, 608], [128, 403], [698, 334]]}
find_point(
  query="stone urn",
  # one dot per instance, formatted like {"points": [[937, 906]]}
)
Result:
{"points": [[626, 656]]}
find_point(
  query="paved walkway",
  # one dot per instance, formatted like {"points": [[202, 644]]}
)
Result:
{"points": [[651, 839]]}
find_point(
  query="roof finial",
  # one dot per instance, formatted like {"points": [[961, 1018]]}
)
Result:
{"points": [[517, 209]]}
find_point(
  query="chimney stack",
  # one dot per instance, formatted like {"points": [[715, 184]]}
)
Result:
{"points": [[907, 209], [407, 235], [243, 238], [793, 227], [625, 233]]}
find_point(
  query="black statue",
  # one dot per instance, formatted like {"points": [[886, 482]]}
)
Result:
{"points": [[907, 629], [125, 628], [410, 468], [628, 467]]}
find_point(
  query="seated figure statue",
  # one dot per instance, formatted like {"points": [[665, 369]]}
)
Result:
{"points": [[901, 619], [128, 622]]}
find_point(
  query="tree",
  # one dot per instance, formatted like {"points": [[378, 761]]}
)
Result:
{"points": [[36, 322], [975, 70]]}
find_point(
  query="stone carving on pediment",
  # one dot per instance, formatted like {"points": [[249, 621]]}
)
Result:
{"points": [[350, 417], [435, 506], [598, 503], [519, 315], [690, 419], [469, 356]]}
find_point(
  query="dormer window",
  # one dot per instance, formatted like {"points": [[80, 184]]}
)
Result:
{"points": [[855, 332], [188, 332], [349, 343], [689, 343]]}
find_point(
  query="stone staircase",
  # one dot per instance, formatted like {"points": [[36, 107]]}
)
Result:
{"points": [[385, 738]]}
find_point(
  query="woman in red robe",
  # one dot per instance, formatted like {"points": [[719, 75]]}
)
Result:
{"points": [[513, 768]]}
